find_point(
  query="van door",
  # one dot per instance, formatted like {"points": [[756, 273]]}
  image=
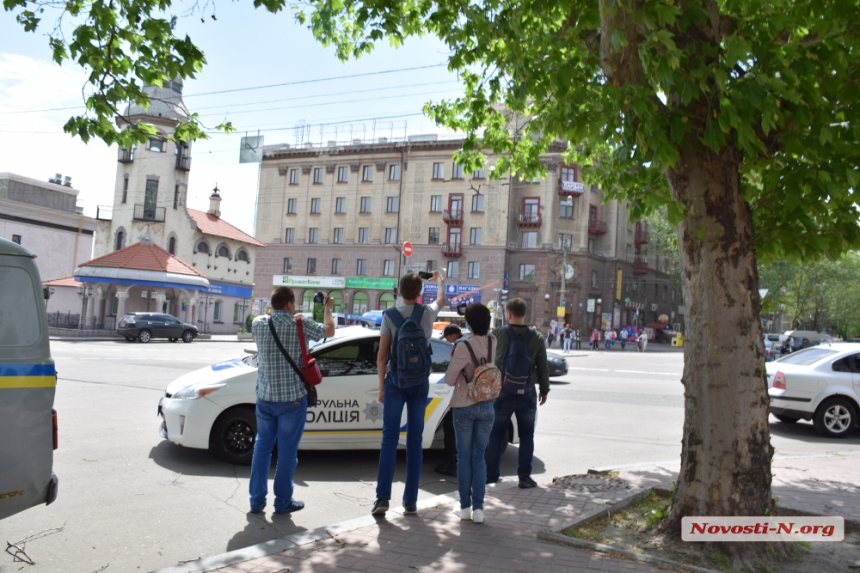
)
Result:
{"points": [[28, 381]]}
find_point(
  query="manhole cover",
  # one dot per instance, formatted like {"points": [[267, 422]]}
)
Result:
{"points": [[592, 481]]}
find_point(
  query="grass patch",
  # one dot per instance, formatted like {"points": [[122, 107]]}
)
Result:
{"points": [[640, 515]]}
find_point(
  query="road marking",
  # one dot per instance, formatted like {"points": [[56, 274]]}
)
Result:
{"points": [[648, 372], [589, 369]]}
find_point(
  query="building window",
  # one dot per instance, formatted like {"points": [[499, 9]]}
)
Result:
{"points": [[17, 238], [565, 241], [453, 269], [157, 144], [594, 279], [312, 266], [591, 246], [315, 205], [313, 235], [474, 270], [530, 209], [175, 196], [527, 272], [433, 239], [457, 171], [568, 173], [216, 312], [338, 235], [455, 238], [359, 302], [479, 174], [318, 175], [431, 266], [340, 205], [439, 170], [294, 176], [335, 266], [673, 295], [342, 174], [656, 291], [150, 199], [665, 292], [125, 188], [203, 247], [171, 245], [394, 172], [392, 204], [628, 253], [388, 268], [290, 236], [288, 265], [223, 251], [361, 267], [364, 205], [475, 236], [363, 235], [120, 239], [477, 203], [292, 206], [435, 203], [367, 173], [566, 210], [390, 235], [644, 288], [530, 240]]}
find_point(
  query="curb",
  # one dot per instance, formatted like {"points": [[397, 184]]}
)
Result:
{"points": [[310, 536]]}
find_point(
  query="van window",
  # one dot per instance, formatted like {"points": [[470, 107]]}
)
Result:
{"points": [[19, 315]]}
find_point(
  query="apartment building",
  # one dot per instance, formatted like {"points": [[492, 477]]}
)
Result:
{"points": [[335, 217]]}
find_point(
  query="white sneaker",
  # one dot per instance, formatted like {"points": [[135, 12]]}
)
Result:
{"points": [[478, 516], [464, 514]]}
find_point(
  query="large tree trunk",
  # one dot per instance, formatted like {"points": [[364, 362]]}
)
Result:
{"points": [[726, 455]]}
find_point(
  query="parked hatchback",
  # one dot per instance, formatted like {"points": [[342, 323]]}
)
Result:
{"points": [[144, 326]]}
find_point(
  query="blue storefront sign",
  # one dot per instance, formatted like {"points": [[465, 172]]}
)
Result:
{"points": [[229, 290], [454, 294]]}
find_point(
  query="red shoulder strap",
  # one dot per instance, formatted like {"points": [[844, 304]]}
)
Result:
{"points": [[302, 339]]}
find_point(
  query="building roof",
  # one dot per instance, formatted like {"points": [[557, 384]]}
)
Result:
{"points": [[212, 225], [63, 282], [144, 258]]}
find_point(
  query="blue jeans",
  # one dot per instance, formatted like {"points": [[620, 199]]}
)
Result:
{"points": [[525, 409], [472, 425], [284, 422], [415, 400], [567, 342]]}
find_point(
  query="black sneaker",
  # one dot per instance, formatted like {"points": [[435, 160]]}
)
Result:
{"points": [[527, 483], [380, 507], [446, 469], [410, 509]]}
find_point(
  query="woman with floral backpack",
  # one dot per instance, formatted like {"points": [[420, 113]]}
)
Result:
{"points": [[473, 374]]}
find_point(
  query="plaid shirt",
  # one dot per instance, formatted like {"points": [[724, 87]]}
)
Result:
{"points": [[276, 379]]}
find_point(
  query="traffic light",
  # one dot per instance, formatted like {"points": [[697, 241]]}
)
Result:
{"points": [[503, 295]]}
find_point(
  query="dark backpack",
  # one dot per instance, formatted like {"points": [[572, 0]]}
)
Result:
{"points": [[409, 357], [517, 363]]}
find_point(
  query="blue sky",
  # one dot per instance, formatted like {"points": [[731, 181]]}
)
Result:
{"points": [[245, 48]]}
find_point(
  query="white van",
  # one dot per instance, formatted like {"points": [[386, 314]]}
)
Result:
{"points": [[28, 422]]}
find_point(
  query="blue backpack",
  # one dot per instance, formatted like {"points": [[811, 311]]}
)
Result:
{"points": [[409, 357], [517, 363]]}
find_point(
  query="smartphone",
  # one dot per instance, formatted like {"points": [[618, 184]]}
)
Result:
{"points": [[319, 307], [425, 276]]}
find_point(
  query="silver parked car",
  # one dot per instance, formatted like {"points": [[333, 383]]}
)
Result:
{"points": [[820, 383]]}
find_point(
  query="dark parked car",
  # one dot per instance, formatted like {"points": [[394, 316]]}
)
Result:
{"points": [[144, 326], [557, 365]]}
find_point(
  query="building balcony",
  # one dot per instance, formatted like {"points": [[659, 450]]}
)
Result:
{"points": [[126, 155], [452, 250], [183, 163], [104, 213], [641, 235], [596, 227], [453, 217], [640, 266], [529, 220], [571, 188], [147, 213]]}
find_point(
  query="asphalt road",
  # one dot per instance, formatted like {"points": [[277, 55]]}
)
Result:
{"points": [[129, 501]]}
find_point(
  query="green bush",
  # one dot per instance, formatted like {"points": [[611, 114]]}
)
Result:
{"points": [[248, 320]]}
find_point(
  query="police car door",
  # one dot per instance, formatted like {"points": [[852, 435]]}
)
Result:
{"points": [[348, 415]]}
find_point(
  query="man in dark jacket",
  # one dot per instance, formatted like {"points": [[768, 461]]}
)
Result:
{"points": [[523, 406]]}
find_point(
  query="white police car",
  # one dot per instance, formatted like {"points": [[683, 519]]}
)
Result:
{"points": [[213, 408]]}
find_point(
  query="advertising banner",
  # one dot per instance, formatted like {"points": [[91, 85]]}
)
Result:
{"points": [[308, 282]]}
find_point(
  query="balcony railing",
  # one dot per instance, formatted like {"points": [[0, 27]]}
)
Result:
{"points": [[571, 188], [126, 155], [596, 227], [529, 220], [452, 249], [183, 163], [640, 266], [453, 217], [104, 213], [641, 236], [147, 213]]}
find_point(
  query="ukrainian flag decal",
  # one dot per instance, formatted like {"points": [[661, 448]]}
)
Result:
{"points": [[27, 376]]}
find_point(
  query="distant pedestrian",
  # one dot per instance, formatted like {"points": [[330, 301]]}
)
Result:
{"points": [[595, 339], [448, 467], [550, 337], [568, 338], [622, 337], [642, 341], [578, 339], [607, 339]]}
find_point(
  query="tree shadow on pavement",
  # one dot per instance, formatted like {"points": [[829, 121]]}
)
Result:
{"points": [[261, 528]]}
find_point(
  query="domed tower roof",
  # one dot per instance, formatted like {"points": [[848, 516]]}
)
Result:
{"points": [[164, 101]]}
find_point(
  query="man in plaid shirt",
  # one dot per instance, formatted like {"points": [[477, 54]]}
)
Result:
{"points": [[282, 403]]}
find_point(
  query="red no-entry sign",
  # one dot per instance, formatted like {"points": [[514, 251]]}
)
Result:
{"points": [[407, 249]]}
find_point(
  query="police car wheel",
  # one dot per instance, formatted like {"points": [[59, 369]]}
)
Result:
{"points": [[187, 336], [233, 435], [144, 336]]}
